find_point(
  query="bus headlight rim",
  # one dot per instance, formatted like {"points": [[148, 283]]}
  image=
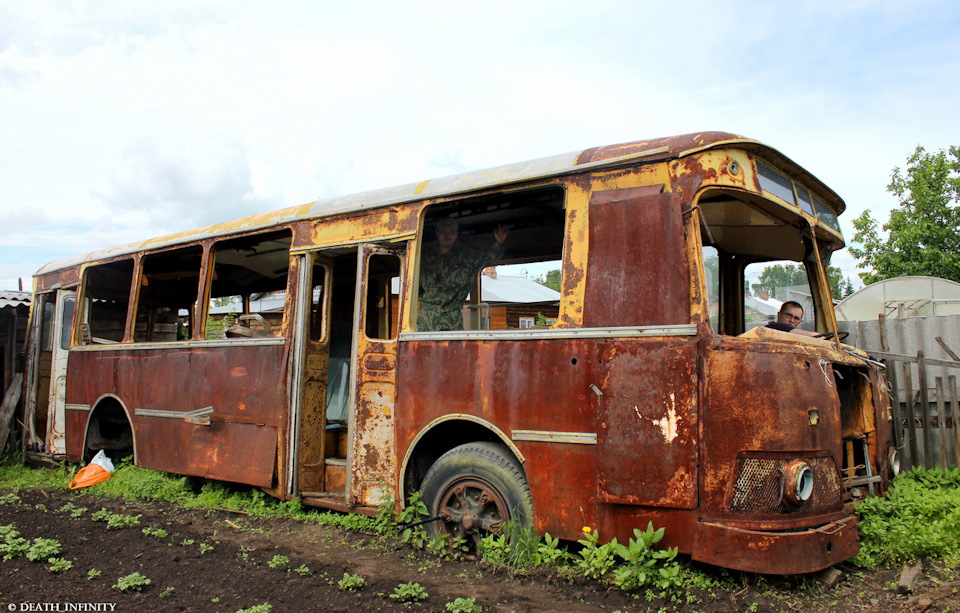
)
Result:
{"points": [[797, 482]]}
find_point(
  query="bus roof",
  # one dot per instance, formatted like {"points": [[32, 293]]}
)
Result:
{"points": [[654, 150]]}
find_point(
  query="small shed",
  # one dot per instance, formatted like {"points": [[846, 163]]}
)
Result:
{"points": [[14, 311]]}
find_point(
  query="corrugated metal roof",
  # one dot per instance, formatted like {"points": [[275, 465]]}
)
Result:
{"points": [[14, 299], [506, 288]]}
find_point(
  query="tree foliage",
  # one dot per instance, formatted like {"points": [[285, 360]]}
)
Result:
{"points": [[551, 280], [786, 275], [921, 236]]}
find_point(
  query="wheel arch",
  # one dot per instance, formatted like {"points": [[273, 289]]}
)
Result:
{"points": [[105, 407], [440, 436]]}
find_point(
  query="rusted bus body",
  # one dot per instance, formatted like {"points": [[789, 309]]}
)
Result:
{"points": [[643, 402]]}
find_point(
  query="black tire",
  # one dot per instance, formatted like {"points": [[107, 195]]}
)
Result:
{"points": [[476, 488]]}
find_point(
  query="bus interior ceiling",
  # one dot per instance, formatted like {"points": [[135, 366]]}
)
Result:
{"points": [[535, 218], [744, 225]]}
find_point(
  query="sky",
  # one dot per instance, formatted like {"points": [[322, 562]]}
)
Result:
{"points": [[121, 120]]}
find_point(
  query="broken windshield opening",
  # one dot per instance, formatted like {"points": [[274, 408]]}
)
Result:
{"points": [[757, 255]]}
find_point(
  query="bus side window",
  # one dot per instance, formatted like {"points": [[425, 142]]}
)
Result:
{"points": [[248, 288], [383, 283], [168, 286], [106, 293]]}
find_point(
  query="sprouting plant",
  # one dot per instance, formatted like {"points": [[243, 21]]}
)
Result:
{"points": [[11, 499], [549, 552], [351, 583], [187, 542], [41, 507], [303, 570], [413, 513], [279, 562], [93, 573], [117, 521], [167, 591], [595, 560], [643, 564], [157, 532], [59, 565], [464, 605], [73, 510], [263, 607], [409, 592], [42, 549], [133, 581], [205, 548]]}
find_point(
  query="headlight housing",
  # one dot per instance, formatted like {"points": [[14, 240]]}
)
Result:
{"points": [[797, 483]]}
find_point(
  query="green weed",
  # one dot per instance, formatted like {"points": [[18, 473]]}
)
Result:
{"points": [[464, 605], [596, 560], [134, 581], [279, 562], [917, 518], [263, 607], [409, 592], [42, 549], [59, 565], [160, 533], [93, 573], [351, 583]]}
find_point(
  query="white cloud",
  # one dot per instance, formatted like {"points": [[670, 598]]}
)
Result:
{"points": [[125, 119]]}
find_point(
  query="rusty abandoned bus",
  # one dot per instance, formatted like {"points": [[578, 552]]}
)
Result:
{"points": [[282, 351]]}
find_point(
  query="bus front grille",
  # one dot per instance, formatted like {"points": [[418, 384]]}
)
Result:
{"points": [[757, 487]]}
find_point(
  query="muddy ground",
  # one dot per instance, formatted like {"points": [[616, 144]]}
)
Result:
{"points": [[220, 561]]}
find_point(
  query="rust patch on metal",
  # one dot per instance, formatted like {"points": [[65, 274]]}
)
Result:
{"points": [[642, 230]]}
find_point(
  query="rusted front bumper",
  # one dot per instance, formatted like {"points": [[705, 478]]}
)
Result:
{"points": [[776, 553]]}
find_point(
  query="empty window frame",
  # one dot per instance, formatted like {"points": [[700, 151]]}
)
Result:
{"points": [[248, 288], [106, 295], [167, 299]]}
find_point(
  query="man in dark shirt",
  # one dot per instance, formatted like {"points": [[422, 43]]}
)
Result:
{"points": [[789, 317]]}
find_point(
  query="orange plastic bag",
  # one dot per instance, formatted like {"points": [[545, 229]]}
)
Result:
{"points": [[98, 470], [91, 474]]}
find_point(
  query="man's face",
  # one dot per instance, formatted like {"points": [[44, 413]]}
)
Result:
{"points": [[446, 236], [790, 315]]}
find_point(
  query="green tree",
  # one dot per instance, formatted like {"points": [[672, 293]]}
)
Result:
{"points": [[785, 275], [551, 280], [921, 236]]}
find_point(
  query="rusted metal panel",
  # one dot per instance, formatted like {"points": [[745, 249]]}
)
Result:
{"points": [[245, 453], [246, 387], [782, 553], [641, 231], [661, 148], [764, 397], [648, 431], [68, 277]]}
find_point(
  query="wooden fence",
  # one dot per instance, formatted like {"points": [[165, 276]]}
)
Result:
{"points": [[925, 412]]}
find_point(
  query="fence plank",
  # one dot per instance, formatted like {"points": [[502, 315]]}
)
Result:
{"points": [[942, 423], [952, 384], [925, 410], [897, 416], [911, 420]]}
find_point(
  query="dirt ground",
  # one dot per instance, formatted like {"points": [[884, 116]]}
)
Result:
{"points": [[219, 561]]}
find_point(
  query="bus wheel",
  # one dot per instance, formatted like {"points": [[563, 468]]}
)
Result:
{"points": [[475, 489]]}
